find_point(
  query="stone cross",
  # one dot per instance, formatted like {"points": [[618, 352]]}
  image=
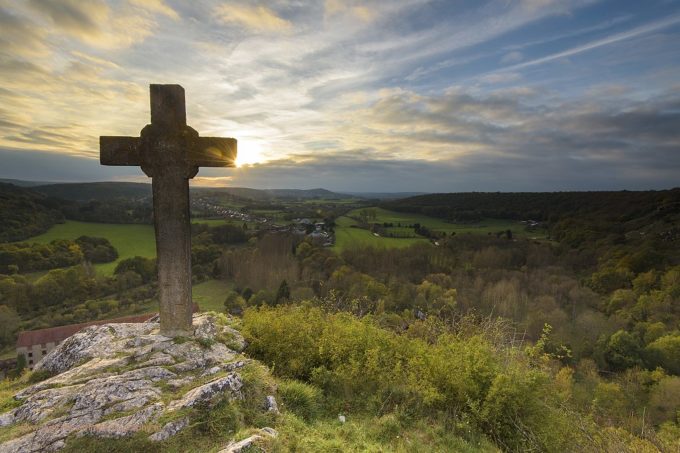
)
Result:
{"points": [[170, 152]]}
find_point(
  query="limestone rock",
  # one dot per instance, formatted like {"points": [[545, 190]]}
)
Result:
{"points": [[271, 404], [7, 419], [124, 426], [170, 429], [94, 341], [229, 386], [109, 379], [238, 447]]}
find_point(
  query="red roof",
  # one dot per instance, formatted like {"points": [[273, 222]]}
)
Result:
{"points": [[59, 334]]}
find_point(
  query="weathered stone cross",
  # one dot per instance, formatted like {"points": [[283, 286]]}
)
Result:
{"points": [[170, 152]]}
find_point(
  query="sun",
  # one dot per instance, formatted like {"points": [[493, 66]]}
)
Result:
{"points": [[249, 152]]}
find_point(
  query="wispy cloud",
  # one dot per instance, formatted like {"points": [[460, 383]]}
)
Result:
{"points": [[254, 17], [613, 39]]}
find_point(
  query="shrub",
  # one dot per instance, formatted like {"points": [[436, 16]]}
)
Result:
{"points": [[664, 352], [302, 399], [361, 367]]}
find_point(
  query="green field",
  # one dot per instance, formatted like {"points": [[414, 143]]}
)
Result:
{"points": [[486, 226], [210, 295], [348, 237], [129, 240], [210, 222]]}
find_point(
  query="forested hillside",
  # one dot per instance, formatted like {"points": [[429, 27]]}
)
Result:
{"points": [[25, 213], [100, 191]]}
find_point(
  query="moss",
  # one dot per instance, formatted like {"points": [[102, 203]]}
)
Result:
{"points": [[205, 343], [230, 340], [14, 431], [138, 443], [38, 376], [8, 388]]}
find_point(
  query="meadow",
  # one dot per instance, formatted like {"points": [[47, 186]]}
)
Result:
{"points": [[210, 294], [486, 226], [347, 236], [129, 240]]}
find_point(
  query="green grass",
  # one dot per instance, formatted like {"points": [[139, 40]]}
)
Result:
{"points": [[363, 433], [210, 222], [129, 240], [10, 353], [348, 237], [210, 295], [485, 226]]}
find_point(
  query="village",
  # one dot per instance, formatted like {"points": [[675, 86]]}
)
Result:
{"points": [[319, 232]]}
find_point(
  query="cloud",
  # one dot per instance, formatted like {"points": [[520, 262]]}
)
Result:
{"points": [[512, 57], [73, 16], [95, 23], [156, 6], [258, 18], [20, 37], [613, 39], [353, 8]]}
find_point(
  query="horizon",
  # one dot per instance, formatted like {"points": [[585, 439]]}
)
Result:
{"points": [[405, 96], [308, 189]]}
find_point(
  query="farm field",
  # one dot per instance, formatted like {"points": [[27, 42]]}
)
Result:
{"points": [[484, 227], [346, 237], [210, 295], [129, 240]]}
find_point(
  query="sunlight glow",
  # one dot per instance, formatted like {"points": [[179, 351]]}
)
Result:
{"points": [[249, 152]]}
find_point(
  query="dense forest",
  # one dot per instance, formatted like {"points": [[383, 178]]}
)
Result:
{"points": [[547, 206], [25, 213]]}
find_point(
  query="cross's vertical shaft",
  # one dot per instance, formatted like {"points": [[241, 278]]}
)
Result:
{"points": [[173, 248]]}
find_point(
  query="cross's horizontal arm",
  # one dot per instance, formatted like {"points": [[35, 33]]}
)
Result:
{"points": [[119, 150], [214, 152]]}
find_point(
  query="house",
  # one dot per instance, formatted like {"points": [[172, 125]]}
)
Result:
{"points": [[36, 344]]}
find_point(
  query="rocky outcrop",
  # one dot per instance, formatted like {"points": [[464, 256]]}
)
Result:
{"points": [[170, 429], [230, 384], [109, 382], [245, 444]]}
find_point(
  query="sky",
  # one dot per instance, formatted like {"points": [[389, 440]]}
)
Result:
{"points": [[358, 96]]}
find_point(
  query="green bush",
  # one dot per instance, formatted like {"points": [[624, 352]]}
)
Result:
{"points": [[361, 367], [302, 399], [664, 352]]}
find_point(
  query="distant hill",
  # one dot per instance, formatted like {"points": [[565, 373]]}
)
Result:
{"points": [[539, 205], [103, 191], [385, 195], [22, 183], [306, 193], [271, 194], [100, 191], [25, 213]]}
